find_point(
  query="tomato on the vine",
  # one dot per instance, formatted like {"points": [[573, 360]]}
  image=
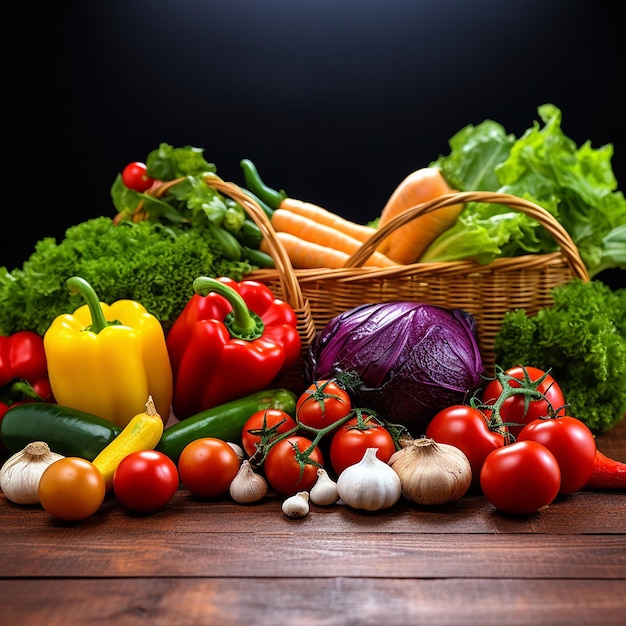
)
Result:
{"points": [[468, 429], [572, 444], [514, 410], [135, 176], [520, 478], [323, 403], [145, 480], [71, 488], [207, 466], [288, 470], [266, 423], [353, 438]]}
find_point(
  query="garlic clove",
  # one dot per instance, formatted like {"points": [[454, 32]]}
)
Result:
{"points": [[21, 472], [297, 505], [324, 491], [247, 486], [238, 450], [370, 484]]}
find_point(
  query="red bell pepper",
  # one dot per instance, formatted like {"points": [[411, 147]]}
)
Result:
{"points": [[23, 370], [232, 339]]}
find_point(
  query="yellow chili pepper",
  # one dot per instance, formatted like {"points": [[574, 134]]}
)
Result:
{"points": [[106, 360], [142, 432]]}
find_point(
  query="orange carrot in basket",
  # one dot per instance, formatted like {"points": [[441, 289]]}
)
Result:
{"points": [[360, 232], [308, 229], [305, 254], [279, 200], [407, 243]]}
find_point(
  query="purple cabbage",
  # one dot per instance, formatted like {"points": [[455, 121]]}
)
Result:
{"points": [[412, 359]]}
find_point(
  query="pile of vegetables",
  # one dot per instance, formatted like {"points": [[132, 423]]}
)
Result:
{"points": [[396, 401]]}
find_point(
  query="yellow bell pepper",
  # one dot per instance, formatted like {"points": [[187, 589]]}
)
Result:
{"points": [[106, 360]]}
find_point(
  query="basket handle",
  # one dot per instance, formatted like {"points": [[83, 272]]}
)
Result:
{"points": [[286, 275], [546, 219]]}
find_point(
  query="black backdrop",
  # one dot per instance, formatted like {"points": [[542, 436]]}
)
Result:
{"points": [[334, 100]]}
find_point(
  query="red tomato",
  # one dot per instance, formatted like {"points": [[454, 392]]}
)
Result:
{"points": [[207, 466], [266, 423], [322, 404], [145, 480], [520, 478], [513, 409], [467, 429], [572, 444], [350, 442], [135, 176], [287, 470]]}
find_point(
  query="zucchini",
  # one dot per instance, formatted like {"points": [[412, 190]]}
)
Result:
{"points": [[67, 431], [225, 421]]}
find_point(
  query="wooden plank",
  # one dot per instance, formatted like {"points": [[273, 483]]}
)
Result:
{"points": [[357, 555], [574, 514], [324, 601]]}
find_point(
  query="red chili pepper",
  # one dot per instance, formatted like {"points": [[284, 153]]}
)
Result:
{"points": [[232, 339], [607, 473], [23, 370]]}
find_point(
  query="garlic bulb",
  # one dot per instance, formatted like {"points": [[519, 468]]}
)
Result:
{"points": [[297, 505], [324, 491], [369, 484], [247, 486], [20, 473], [432, 473]]}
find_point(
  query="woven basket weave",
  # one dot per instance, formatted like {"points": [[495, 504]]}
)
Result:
{"points": [[485, 291]]}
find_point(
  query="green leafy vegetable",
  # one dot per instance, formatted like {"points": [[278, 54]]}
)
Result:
{"points": [[576, 184], [582, 339], [147, 261]]}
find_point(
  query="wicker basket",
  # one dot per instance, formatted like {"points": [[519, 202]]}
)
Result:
{"points": [[485, 291]]}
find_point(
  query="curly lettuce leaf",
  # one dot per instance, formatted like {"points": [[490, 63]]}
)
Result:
{"points": [[576, 184]]}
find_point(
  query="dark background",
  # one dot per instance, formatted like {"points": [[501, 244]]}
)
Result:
{"points": [[335, 100]]}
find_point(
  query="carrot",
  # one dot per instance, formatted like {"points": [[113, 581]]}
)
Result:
{"points": [[407, 243], [361, 232], [327, 236], [274, 200], [306, 254]]}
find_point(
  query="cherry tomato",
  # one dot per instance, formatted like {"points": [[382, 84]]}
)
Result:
{"points": [[350, 442], [287, 471], [323, 403], [145, 480], [135, 176], [513, 408], [207, 466], [520, 478], [467, 429], [572, 444], [71, 489], [265, 423]]}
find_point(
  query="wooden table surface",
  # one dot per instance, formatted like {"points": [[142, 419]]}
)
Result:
{"points": [[201, 562]]}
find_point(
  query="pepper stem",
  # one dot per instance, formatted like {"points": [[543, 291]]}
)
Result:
{"points": [[270, 196], [241, 322], [78, 285]]}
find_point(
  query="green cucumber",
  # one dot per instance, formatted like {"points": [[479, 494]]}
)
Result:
{"points": [[67, 431], [225, 421]]}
